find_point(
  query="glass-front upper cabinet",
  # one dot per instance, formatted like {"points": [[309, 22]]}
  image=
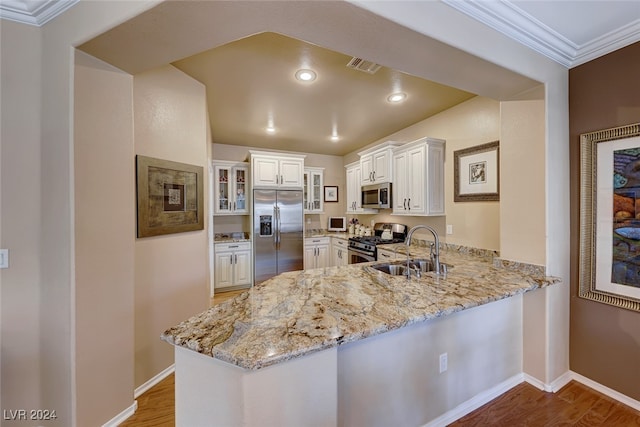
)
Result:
{"points": [[231, 191], [312, 190]]}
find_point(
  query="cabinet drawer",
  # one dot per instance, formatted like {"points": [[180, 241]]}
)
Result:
{"points": [[336, 241], [313, 241], [383, 255], [232, 246]]}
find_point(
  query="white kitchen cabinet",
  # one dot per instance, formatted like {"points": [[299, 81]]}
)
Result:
{"points": [[312, 189], [232, 265], [386, 255], [230, 188], [271, 170], [354, 190], [418, 179], [339, 249], [376, 164], [316, 252]]}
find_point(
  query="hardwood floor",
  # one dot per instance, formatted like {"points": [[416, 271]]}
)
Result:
{"points": [[573, 405], [223, 296], [522, 406]]}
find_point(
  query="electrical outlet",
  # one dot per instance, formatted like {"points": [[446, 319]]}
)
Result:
{"points": [[449, 229], [4, 258], [443, 362]]}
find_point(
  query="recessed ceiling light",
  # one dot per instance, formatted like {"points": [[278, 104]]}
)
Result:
{"points": [[397, 97], [305, 75], [270, 129], [335, 138]]}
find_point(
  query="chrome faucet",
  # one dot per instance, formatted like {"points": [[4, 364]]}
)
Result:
{"points": [[435, 248]]}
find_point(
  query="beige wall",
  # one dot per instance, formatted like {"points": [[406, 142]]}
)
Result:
{"points": [[171, 271], [474, 122], [20, 191], [522, 183], [334, 174], [105, 226]]}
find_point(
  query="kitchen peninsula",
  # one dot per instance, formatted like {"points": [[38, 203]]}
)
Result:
{"points": [[292, 351]]}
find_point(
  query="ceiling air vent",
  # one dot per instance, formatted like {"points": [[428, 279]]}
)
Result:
{"points": [[363, 65]]}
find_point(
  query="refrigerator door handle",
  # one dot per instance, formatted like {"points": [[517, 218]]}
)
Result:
{"points": [[279, 224]]}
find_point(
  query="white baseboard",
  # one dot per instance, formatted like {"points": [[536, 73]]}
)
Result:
{"points": [[475, 402], [622, 398], [488, 395], [556, 385], [122, 416], [153, 381]]}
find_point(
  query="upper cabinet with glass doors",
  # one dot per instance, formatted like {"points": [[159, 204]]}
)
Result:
{"points": [[313, 189], [231, 188]]}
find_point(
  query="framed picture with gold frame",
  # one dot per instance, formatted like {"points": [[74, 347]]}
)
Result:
{"points": [[170, 197], [610, 216]]}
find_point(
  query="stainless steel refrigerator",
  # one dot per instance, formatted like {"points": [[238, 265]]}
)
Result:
{"points": [[278, 234]]}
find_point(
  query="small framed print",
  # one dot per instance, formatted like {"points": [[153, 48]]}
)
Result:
{"points": [[477, 173], [330, 193]]}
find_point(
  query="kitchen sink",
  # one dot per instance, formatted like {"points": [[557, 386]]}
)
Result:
{"points": [[398, 268]]}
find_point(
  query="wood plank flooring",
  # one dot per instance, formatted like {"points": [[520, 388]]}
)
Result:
{"points": [[573, 405], [522, 406]]}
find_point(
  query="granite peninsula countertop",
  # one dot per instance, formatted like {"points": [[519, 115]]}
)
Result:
{"points": [[301, 312]]}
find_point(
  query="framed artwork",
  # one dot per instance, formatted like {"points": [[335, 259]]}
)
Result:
{"points": [[170, 197], [610, 216], [330, 193], [476, 173]]}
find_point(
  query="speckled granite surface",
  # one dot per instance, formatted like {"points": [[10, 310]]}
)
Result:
{"points": [[317, 232], [301, 312], [238, 236]]}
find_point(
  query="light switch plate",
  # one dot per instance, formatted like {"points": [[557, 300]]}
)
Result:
{"points": [[4, 258], [449, 229]]}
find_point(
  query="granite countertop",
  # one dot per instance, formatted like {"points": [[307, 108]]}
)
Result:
{"points": [[324, 233], [301, 312], [239, 236]]}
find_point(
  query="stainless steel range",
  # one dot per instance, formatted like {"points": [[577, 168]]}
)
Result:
{"points": [[363, 249]]}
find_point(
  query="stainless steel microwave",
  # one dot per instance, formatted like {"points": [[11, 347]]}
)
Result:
{"points": [[377, 196]]}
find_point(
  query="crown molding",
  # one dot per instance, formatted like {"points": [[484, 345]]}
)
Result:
{"points": [[510, 20], [35, 13]]}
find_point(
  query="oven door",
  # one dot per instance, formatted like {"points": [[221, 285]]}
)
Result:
{"points": [[356, 256]]}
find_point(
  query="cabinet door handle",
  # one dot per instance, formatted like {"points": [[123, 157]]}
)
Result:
{"points": [[231, 259], [374, 175], [404, 204], [409, 204], [234, 206]]}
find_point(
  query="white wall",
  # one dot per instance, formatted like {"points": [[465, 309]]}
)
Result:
{"points": [[20, 217], [171, 271], [105, 226]]}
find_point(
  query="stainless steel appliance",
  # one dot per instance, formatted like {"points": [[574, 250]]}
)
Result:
{"points": [[363, 248], [377, 196], [278, 235]]}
